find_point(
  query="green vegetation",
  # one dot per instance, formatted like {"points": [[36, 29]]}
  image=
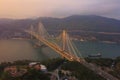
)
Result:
{"points": [[76, 69], [106, 63], [81, 72], [52, 64], [35, 75], [32, 74], [116, 69]]}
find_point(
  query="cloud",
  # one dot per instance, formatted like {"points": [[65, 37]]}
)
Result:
{"points": [[58, 8]]}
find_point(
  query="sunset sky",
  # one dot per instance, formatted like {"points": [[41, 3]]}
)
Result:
{"points": [[58, 8]]}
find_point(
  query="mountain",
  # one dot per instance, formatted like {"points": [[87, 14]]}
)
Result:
{"points": [[85, 22], [75, 22]]}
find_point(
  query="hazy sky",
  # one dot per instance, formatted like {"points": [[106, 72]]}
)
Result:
{"points": [[58, 8]]}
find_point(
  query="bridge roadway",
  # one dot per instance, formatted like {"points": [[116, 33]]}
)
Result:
{"points": [[71, 57], [55, 47]]}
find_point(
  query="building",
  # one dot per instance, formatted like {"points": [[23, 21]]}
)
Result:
{"points": [[38, 66], [14, 71]]}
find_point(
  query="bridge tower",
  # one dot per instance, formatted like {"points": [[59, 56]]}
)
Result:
{"points": [[64, 39], [31, 30], [42, 31]]}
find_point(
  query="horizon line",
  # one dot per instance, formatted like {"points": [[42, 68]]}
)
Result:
{"points": [[11, 18]]}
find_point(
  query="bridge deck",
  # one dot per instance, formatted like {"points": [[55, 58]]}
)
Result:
{"points": [[56, 48]]}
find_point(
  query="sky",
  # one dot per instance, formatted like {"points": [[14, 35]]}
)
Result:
{"points": [[19, 9]]}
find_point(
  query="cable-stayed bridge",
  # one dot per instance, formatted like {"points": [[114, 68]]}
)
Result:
{"points": [[64, 46]]}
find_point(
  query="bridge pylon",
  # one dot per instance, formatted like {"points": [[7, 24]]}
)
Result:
{"points": [[64, 34], [31, 29]]}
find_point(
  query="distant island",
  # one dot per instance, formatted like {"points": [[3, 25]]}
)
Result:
{"points": [[81, 27]]}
